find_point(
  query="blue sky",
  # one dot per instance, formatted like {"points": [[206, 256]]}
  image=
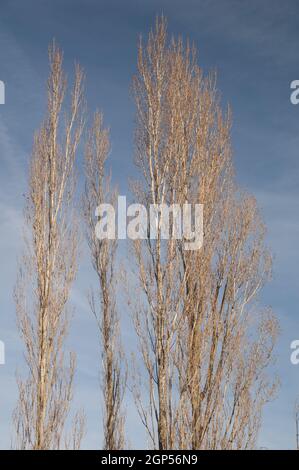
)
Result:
{"points": [[254, 48]]}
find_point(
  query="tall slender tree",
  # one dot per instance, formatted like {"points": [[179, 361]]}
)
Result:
{"points": [[103, 302], [47, 271], [205, 342]]}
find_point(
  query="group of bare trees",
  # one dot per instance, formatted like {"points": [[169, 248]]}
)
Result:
{"points": [[204, 342]]}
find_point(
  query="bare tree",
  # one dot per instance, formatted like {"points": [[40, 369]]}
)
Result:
{"points": [[103, 303], [156, 317], [205, 343], [47, 271], [230, 339]]}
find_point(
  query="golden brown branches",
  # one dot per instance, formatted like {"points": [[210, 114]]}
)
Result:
{"points": [[48, 269], [102, 303], [205, 343]]}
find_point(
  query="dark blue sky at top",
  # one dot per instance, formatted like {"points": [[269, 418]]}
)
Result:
{"points": [[253, 45]]}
